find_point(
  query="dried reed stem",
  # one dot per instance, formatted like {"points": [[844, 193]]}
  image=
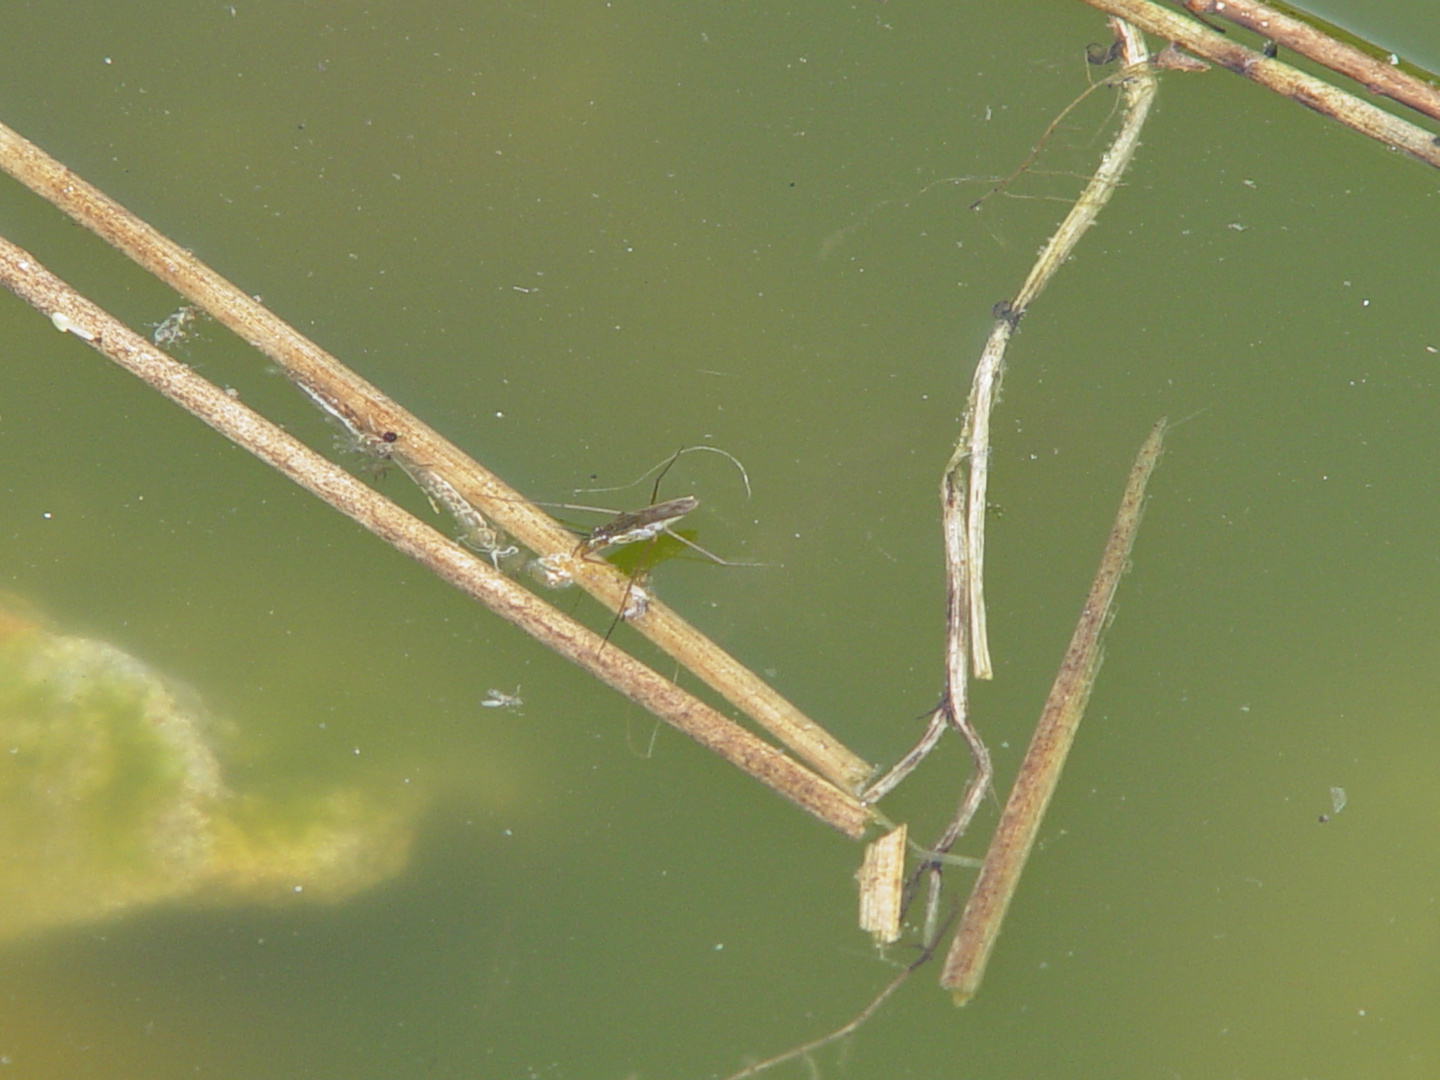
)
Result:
{"points": [[1040, 769], [369, 412], [1282, 78], [25, 277], [1376, 75]]}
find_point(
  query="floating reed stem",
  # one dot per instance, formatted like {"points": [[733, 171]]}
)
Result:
{"points": [[1040, 769], [1287, 32], [23, 275], [375, 417], [1275, 75]]}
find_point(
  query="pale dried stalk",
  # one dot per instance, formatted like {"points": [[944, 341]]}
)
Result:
{"points": [[1282, 78], [369, 412], [1054, 733], [962, 496], [958, 573], [954, 708], [24, 276], [973, 452]]}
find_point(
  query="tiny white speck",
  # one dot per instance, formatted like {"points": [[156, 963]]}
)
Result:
{"points": [[499, 415], [47, 515], [357, 749], [299, 888], [720, 946]]}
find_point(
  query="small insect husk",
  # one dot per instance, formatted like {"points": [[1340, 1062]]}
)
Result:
{"points": [[177, 326], [637, 602], [498, 699], [475, 532], [552, 571]]}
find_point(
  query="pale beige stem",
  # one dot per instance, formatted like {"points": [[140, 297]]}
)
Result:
{"points": [[973, 451], [24, 276], [973, 458], [1282, 78], [1040, 770], [369, 412]]}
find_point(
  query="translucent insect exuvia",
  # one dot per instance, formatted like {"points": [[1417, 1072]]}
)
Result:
{"points": [[498, 699]]}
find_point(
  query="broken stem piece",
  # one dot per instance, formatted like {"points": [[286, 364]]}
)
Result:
{"points": [[1040, 770]]}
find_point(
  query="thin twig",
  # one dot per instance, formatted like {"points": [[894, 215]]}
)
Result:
{"points": [[1040, 770], [853, 1024], [375, 417], [23, 275]]}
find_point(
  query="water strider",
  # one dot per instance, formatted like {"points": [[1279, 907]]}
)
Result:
{"points": [[635, 525], [646, 524]]}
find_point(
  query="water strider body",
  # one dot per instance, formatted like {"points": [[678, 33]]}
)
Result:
{"points": [[635, 525]]}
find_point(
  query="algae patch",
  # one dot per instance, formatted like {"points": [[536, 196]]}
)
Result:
{"points": [[112, 797]]}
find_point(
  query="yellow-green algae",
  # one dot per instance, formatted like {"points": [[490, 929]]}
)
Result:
{"points": [[112, 797]]}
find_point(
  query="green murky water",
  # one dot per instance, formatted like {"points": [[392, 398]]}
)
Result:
{"points": [[574, 237]]}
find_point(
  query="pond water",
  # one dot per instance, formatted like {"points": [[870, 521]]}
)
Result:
{"points": [[574, 237]]}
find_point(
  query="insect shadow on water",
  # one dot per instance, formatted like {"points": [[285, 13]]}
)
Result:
{"points": [[651, 525]]}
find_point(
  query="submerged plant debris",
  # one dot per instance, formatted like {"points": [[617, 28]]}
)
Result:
{"points": [[113, 797]]}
